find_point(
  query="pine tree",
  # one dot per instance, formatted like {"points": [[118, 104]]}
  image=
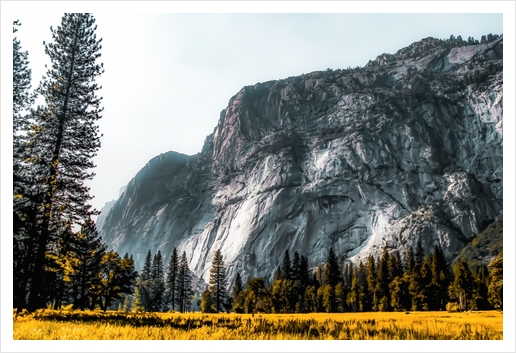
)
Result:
{"points": [[410, 260], [22, 75], [372, 280], [84, 264], [237, 287], [495, 289], [117, 278], [157, 283], [286, 267], [218, 281], [206, 302], [395, 266], [147, 267], [332, 271], [419, 256], [384, 278], [137, 304], [340, 297], [441, 279], [463, 284], [304, 272], [184, 290], [24, 199], [65, 137], [296, 267], [171, 279]]}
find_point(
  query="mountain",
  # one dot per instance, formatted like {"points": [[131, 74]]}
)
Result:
{"points": [[406, 149]]}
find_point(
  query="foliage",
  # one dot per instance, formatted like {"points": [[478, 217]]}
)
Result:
{"points": [[54, 158], [484, 246], [184, 290], [286, 267], [171, 280], [496, 285], [218, 281]]}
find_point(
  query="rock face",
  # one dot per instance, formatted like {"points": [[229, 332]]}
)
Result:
{"points": [[407, 148]]}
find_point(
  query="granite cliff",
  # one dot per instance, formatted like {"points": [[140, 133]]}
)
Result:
{"points": [[407, 148]]}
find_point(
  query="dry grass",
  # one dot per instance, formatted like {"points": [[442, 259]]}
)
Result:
{"points": [[88, 325]]}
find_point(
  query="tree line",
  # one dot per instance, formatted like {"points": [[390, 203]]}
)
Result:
{"points": [[388, 283]]}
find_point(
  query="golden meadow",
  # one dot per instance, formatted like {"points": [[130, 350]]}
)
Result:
{"points": [[97, 325]]}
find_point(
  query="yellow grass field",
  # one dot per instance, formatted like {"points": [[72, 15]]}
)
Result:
{"points": [[95, 325]]}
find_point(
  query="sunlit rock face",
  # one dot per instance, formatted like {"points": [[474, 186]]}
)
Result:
{"points": [[407, 148]]}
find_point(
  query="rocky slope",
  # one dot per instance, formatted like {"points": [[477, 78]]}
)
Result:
{"points": [[407, 148]]}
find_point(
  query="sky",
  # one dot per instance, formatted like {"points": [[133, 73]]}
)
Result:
{"points": [[168, 75]]}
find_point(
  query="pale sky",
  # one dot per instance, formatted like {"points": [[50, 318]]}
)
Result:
{"points": [[168, 76]]}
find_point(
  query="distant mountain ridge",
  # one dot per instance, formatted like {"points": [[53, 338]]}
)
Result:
{"points": [[407, 148]]}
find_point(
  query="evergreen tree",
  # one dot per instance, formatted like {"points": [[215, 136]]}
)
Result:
{"points": [[332, 271], [237, 287], [426, 293], [347, 277], [171, 279], [26, 193], [372, 283], [395, 266], [340, 297], [218, 281], [64, 138], [441, 279], [419, 256], [304, 272], [495, 289], [157, 283], [22, 74], [117, 277], [184, 290], [281, 296], [310, 299], [259, 292], [411, 260], [463, 284], [137, 304], [128, 304], [147, 267], [286, 268], [384, 278], [144, 283], [84, 264], [207, 305], [296, 267], [400, 298]]}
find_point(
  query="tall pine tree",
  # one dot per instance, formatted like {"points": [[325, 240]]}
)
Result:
{"points": [[184, 290], [286, 267], [332, 271], [157, 283], [218, 281], [65, 136], [171, 279], [23, 204]]}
